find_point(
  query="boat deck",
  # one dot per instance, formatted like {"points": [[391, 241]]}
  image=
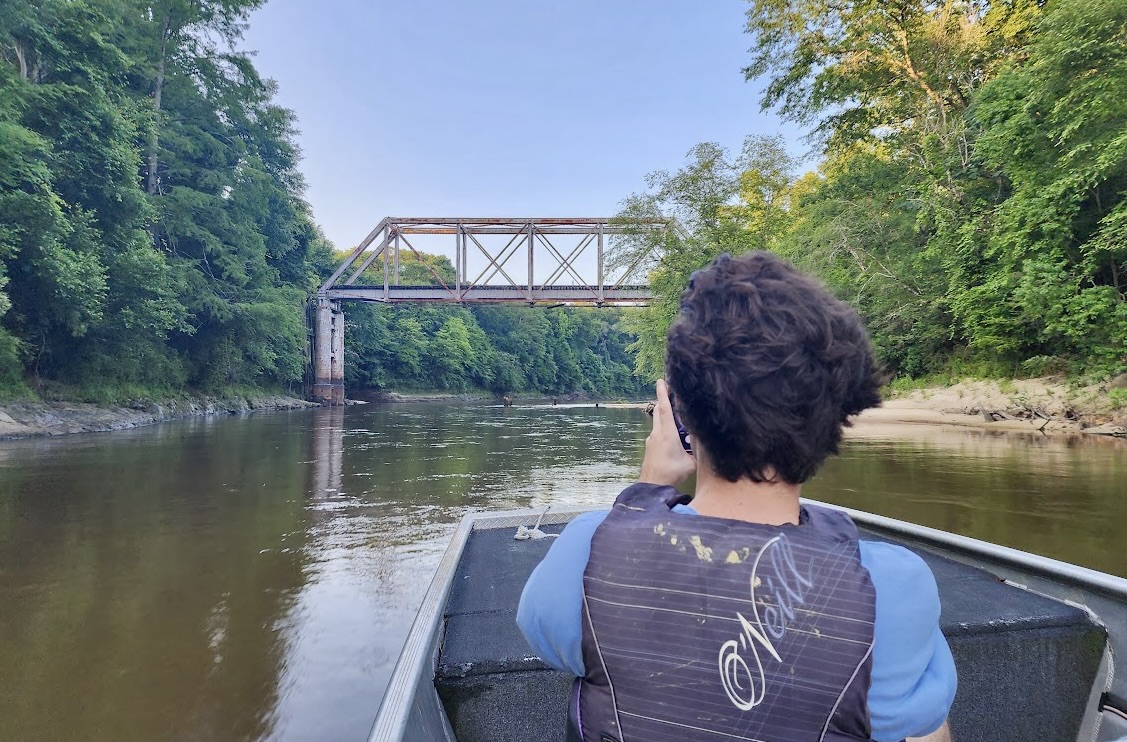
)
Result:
{"points": [[1030, 667]]}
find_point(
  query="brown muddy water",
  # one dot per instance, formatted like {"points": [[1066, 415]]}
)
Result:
{"points": [[253, 578]]}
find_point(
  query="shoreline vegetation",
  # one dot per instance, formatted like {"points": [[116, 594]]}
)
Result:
{"points": [[1046, 406], [963, 191]]}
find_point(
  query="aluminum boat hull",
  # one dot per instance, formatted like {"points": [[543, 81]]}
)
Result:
{"points": [[1033, 640]]}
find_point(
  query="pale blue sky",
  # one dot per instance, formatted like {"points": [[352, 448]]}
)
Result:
{"points": [[501, 108]]}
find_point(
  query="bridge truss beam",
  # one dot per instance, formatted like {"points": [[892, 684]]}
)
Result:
{"points": [[496, 260], [531, 267]]}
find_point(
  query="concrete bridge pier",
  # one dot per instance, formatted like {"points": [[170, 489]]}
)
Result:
{"points": [[328, 352]]}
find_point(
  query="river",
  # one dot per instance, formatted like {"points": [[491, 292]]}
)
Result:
{"points": [[253, 578]]}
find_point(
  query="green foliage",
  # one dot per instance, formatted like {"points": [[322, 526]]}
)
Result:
{"points": [[971, 202], [856, 226], [727, 205], [1055, 128], [971, 199], [880, 68], [11, 381], [496, 348], [450, 355], [152, 229]]}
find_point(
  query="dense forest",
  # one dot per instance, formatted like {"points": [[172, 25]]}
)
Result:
{"points": [[969, 198], [153, 234], [154, 237], [971, 194], [498, 348]]}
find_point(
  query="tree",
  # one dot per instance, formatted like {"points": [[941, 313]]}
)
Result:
{"points": [[1055, 129], [84, 277], [726, 204], [880, 67], [856, 226], [450, 354], [119, 272], [175, 32]]}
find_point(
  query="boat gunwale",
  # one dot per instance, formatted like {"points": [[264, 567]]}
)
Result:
{"points": [[1047, 567], [418, 654]]}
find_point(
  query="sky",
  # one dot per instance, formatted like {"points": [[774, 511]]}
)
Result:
{"points": [[503, 108]]}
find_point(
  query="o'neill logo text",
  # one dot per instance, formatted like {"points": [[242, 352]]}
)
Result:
{"points": [[741, 668]]}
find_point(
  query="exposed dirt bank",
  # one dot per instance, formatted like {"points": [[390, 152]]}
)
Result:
{"points": [[31, 419], [1040, 405]]}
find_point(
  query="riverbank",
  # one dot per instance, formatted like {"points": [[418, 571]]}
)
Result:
{"points": [[1046, 406], [1037, 405], [1024, 405], [36, 419]]}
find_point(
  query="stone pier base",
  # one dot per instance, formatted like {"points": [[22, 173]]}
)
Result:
{"points": [[328, 353]]}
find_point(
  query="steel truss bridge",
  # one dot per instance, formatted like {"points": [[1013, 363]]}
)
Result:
{"points": [[534, 261], [496, 260]]}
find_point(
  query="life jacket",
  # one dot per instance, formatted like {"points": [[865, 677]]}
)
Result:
{"points": [[701, 628]]}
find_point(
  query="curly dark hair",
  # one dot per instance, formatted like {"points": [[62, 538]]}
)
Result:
{"points": [[766, 367]]}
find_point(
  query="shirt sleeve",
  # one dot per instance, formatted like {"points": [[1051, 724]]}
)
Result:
{"points": [[550, 610], [913, 680]]}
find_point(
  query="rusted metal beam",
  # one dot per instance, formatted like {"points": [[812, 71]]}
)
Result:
{"points": [[569, 295], [356, 252], [531, 252], [372, 256], [566, 264], [576, 230], [433, 272], [599, 279], [498, 262], [545, 221]]}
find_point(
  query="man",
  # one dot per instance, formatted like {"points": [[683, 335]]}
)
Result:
{"points": [[744, 615]]}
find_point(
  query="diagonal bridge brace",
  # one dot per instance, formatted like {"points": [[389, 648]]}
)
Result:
{"points": [[530, 240]]}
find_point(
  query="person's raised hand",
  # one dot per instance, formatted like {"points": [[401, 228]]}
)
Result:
{"points": [[666, 462]]}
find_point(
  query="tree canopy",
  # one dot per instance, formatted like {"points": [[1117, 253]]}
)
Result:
{"points": [[153, 231], [969, 196], [154, 235]]}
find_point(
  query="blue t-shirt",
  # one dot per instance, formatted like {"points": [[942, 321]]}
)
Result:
{"points": [[913, 674]]}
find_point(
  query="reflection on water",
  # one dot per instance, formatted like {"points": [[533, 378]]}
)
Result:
{"points": [[253, 578], [1064, 497]]}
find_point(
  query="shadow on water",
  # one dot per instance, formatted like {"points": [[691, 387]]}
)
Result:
{"points": [[253, 578]]}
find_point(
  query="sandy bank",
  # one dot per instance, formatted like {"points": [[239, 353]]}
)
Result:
{"points": [[32, 419], [1037, 405], [1024, 406]]}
